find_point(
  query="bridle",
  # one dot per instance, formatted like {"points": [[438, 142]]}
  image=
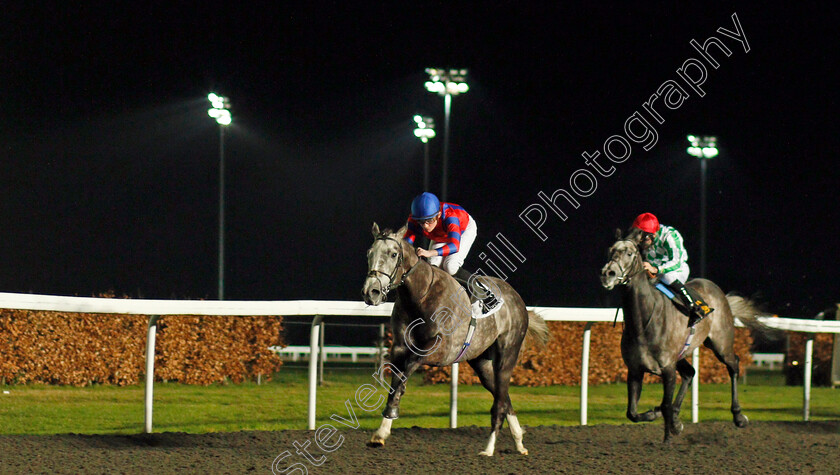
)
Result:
{"points": [[375, 272], [626, 275]]}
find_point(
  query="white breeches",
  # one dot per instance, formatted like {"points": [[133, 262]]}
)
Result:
{"points": [[453, 262], [680, 274]]}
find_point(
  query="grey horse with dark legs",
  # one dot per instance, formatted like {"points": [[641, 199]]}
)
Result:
{"points": [[656, 332], [430, 322]]}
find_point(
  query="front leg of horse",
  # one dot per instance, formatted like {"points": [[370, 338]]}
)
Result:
{"points": [[391, 412], [396, 390], [634, 390]]}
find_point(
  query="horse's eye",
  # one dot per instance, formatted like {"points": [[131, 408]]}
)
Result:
{"points": [[394, 254]]}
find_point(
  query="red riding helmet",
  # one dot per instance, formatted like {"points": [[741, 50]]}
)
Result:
{"points": [[647, 222]]}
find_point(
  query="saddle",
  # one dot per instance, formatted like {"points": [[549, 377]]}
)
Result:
{"points": [[680, 304], [482, 307]]}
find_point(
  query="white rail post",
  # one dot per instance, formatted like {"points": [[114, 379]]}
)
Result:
{"points": [[313, 369], [150, 371], [380, 347], [584, 373], [453, 398], [809, 362], [695, 386], [321, 355]]}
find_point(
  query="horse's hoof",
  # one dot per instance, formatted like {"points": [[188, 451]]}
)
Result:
{"points": [[376, 443], [741, 421], [524, 451], [651, 415], [677, 428], [486, 453]]}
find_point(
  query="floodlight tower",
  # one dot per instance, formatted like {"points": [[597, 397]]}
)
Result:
{"points": [[221, 112], [447, 83], [425, 130], [704, 148]]}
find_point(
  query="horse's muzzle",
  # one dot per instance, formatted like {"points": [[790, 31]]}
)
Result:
{"points": [[372, 292], [609, 276]]}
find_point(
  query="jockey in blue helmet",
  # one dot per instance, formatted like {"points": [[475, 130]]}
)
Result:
{"points": [[452, 232]]}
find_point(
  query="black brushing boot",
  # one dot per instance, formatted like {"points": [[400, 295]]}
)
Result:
{"points": [[698, 309], [490, 303]]}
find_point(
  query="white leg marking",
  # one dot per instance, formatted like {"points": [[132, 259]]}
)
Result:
{"points": [[491, 446], [383, 432], [517, 433]]}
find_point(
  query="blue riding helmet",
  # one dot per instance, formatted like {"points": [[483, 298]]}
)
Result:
{"points": [[425, 206]]}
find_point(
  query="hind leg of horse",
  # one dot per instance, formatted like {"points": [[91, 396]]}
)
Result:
{"points": [[634, 390], [732, 362], [402, 369], [669, 383], [484, 369], [502, 368]]}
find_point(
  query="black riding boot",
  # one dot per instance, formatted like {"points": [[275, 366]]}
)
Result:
{"points": [[697, 309], [489, 302]]}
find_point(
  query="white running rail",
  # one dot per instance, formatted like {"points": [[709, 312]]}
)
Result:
{"points": [[155, 309]]}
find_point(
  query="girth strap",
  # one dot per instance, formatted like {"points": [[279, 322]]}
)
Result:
{"points": [[691, 331], [467, 341]]}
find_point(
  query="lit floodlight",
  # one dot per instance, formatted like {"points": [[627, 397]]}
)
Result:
{"points": [[220, 110], [443, 82], [702, 147], [424, 134], [425, 128]]}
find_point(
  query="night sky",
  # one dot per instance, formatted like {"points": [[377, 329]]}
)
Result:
{"points": [[109, 174]]}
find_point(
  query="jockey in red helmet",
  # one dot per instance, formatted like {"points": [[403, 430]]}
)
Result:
{"points": [[452, 232], [667, 259]]}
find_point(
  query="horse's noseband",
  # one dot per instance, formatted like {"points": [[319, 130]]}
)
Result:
{"points": [[375, 272]]}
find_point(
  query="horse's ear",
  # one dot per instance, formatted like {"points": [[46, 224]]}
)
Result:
{"points": [[401, 232], [617, 234], [375, 229]]}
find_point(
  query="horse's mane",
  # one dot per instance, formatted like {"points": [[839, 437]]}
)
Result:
{"points": [[636, 235]]}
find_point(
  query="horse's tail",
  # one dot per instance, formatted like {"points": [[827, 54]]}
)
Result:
{"points": [[747, 311], [537, 330]]}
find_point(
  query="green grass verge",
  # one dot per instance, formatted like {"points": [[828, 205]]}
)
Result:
{"points": [[282, 404]]}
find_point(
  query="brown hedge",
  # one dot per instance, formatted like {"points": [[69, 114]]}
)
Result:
{"points": [[560, 361], [823, 350], [81, 349]]}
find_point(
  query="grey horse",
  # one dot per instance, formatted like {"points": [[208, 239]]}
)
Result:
{"points": [[430, 322], [656, 332]]}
